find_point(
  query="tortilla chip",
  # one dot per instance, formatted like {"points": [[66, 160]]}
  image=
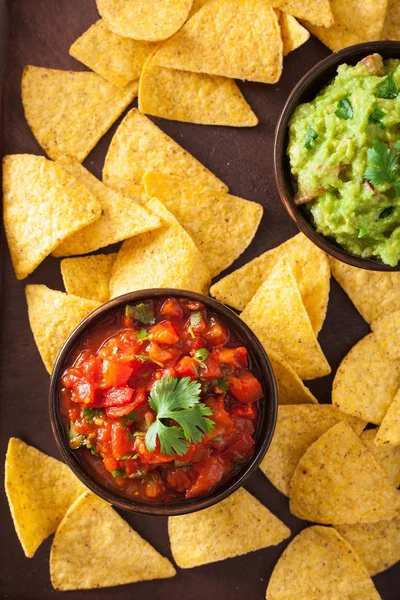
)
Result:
{"points": [[366, 381], [122, 217], [207, 216], [53, 316], [117, 59], [106, 551], [389, 431], [316, 11], [387, 456], [296, 429], [387, 332], [354, 21], [196, 6], [221, 532], [43, 205], [291, 389], [293, 34], [69, 111], [234, 38], [150, 20], [139, 146], [376, 544], [310, 268], [192, 97], [338, 481], [39, 490], [277, 316], [88, 276], [320, 564], [391, 27]]}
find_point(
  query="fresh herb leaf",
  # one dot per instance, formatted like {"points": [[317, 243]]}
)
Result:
{"points": [[377, 116], [142, 357], [386, 212], [128, 419], [311, 136], [387, 88], [129, 456], [143, 334], [362, 232], [118, 473], [344, 108], [195, 319], [143, 475], [383, 165], [90, 414], [141, 312], [222, 384]]}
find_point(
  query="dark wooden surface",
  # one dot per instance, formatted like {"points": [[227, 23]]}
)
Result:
{"points": [[40, 33]]}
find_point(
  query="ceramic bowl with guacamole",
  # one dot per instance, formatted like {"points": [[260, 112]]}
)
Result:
{"points": [[337, 155]]}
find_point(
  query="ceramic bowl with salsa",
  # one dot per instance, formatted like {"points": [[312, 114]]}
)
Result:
{"points": [[163, 401]]}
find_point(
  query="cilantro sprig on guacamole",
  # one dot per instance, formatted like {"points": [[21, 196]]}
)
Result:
{"points": [[344, 151]]}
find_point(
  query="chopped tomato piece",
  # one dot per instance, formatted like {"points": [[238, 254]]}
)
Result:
{"points": [[92, 369], [153, 487], [164, 333], [211, 369], [162, 355], [216, 334], [117, 396], [150, 458], [246, 388], [248, 411], [110, 463], [240, 449], [120, 442], [115, 374], [234, 357], [83, 392], [220, 416], [209, 474], [172, 309], [177, 479], [187, 367]]}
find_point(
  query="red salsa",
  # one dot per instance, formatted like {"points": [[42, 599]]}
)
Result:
{"points": [[161, 401]]}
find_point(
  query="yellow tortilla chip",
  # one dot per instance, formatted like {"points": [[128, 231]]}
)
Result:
{"points": [[94, 547], [43, 204], [337, 480], [320, 565], [196, 6], [293, 34], [391, 27], [69, 111], [192, 97], [387, 332], [117, 59], [389, 431], [234, 38], [387, 456], [291, 389], [39, 490], [53, 316], [316, 11], [296, 429], [88, 276], [310, 268], [354, 21], [376, 544], [208, 216], [366, 381], [122, 217], [150, 20], [237, 525], [277, 316], [139, 146]]}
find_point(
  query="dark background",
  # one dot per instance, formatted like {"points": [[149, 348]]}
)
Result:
{"points": [[40, 32]]}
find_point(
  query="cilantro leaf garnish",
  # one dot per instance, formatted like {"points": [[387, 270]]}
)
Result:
{"points": [[89, 414], [195, 319], [387, 88], [177, 399], [128, 419], [386, 212], [383, 165], [118, 473], [221, 384], [142, 357], [377, 116], [143, 334], [129, 456], [311, 136], [141, 312], [344, 108]]}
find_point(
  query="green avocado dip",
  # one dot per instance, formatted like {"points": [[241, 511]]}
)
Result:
{"points": [[344, 151]]}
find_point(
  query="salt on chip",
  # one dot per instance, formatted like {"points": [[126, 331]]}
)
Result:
{"points": [[208, 216], [122, 217], [222, 532], [387, 332], [277, 316], [320, 565], [291, 389], [88, 276], [53, 316], [337, 480], [192, 97], [151, 20], [316, 11], [94, 547], [389, 431], [43, 204], [39, 490], [233, 38], [366, 381], [293, 34], [391, 27], [117, 59], [309, 265], [296, 429], [69, 111], [387, 456], [139, 146]]}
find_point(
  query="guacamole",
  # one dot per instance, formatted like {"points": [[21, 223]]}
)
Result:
{"points": [[344, 151]]}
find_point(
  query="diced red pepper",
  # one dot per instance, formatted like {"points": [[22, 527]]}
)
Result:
{"points": [[246, 388]]}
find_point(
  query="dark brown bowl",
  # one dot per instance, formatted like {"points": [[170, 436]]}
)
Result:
{"points": [[307, 88], [266, 425]]}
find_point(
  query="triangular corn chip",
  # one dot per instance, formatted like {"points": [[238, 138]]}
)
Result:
{"points": [[277, 316], [366, 381], [122, 217], [387, 332], [391, 28], [207, 215], [338, 481], [293, 34], [43, 204], [192, 97], [310, 268], [220, 532], [320, 565], [166, 257], [94, 547], [88, 276], [296, 429], [69, 111], [39, 489], [233, 38], [291, 389], [387, 456], [150, 20], [196, 6], [139, 146], [53, 316], [117, 59], [389, 431], [316, 11], [376, 544]]}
